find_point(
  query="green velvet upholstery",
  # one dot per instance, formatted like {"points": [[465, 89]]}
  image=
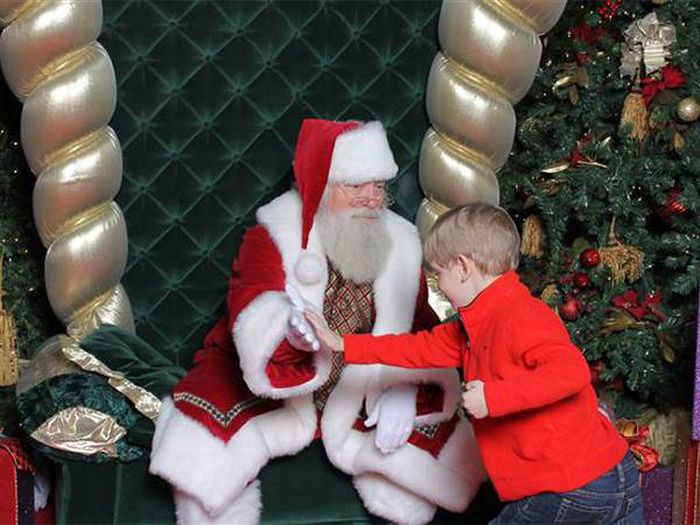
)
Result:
{"points": [[210, 99]]}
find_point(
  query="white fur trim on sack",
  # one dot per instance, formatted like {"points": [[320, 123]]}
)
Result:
{"points": [[214, 473], [362, 155], [257, 332]]}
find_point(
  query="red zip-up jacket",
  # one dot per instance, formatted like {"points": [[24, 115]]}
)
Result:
{"points": [[544, 432]]}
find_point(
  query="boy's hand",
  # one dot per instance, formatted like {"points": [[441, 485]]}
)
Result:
{"points": [[474, 400], [328, 337]]}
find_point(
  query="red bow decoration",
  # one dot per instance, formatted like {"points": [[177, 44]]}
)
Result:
{"points": [[646, 457], [629, 301], [671, 77], [590, 35]]}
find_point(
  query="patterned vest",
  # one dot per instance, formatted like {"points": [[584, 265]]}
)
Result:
{"points": [[348, 309]]}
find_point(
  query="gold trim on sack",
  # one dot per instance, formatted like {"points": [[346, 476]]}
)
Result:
{"points": [[143, 400], [81, 430]]}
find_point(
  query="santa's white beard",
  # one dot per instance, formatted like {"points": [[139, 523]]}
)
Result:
{"points": [[357, 248]]}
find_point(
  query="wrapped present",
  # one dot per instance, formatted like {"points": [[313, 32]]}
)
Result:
{"points": [[16, 483]]}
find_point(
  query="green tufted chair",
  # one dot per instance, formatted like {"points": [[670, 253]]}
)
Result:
{"points": [[211, 97]]}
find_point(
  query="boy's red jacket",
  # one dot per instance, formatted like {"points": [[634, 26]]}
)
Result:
{"points": [[544, 431]]}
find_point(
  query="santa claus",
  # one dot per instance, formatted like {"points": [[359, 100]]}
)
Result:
{"points": [[261, 387]]}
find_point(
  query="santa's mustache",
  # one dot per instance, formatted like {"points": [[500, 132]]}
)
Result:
{"points": [[365, 213]]}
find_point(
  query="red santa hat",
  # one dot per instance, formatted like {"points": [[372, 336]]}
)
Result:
{"points": [[338, 152]]}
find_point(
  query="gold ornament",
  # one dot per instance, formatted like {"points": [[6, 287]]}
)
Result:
{"points": [[659, 2], [688, 109], [66, 81], [626, 263], [8, 343], [534, 237], [550, 295], [678, 142]]}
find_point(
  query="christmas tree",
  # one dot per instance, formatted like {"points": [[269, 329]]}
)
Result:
{"points": [[24, 297], [605, 180]]}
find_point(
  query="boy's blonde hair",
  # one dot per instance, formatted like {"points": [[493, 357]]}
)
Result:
{"points": [[484, 233]]}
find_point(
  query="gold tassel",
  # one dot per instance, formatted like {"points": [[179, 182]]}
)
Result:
{"points": [[534, 237], [550, 294], [8, 343], [626, 263], [635, 114]]}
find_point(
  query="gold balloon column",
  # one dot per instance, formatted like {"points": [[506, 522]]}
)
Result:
{"points": [[490, 54], [52, 62]]}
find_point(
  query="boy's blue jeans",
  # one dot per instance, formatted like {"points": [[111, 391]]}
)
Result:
{"points": [[615, 497]]}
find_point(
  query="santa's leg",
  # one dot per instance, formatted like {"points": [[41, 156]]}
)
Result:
{"points": [[244, 510], [387, 500]]}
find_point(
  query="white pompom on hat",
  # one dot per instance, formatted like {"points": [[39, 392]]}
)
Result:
{"points": [[341, 152]]}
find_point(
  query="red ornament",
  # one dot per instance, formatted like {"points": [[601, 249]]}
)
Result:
{"points": [[672, 206], [570, 309], [589, 257], [597, 368], [609, 9], [581, 279]]}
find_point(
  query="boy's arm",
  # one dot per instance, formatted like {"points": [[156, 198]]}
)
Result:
{"points": [[440, 347], [553, 367]]}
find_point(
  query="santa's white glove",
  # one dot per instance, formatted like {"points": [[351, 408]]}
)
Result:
{"points": [[394, 415], [300, 333]]}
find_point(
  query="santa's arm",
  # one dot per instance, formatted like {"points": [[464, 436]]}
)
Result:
{"points": [[259, 312]]}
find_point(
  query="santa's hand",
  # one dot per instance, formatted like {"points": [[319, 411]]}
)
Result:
{"points": [[328, 338], [300, 334], [394, 415]]}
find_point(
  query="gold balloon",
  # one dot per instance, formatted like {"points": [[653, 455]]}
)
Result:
{"points": [[51, 61], [490, 52], [689, 109]]}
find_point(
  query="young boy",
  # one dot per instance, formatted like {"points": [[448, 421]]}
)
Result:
{"points": [[547, 448]]}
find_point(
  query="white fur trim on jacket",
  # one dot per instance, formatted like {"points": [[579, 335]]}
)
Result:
{"points": [[244, 510], [214, 473], [450, 481], [389, 501], [257, 332], [362, 155]]}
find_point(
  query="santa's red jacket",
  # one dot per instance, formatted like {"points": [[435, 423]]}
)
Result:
{"points": [[544, 432]]}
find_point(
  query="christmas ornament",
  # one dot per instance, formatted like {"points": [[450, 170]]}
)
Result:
{"points": [[648, 41], [672, 206], [589, 258], [570, 309], [581, 279], [646, 457], [609, 9], [659, 2], [688, 109], [626, 263], [534, 237], [575, 158], [550, 294], [634, 113], [669, 77], [678, 142], [8, 343]]}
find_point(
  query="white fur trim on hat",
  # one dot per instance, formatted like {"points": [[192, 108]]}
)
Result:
{"points": [[309, 268], [362, 155]]}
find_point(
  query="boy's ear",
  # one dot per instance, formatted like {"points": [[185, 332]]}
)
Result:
{"points": [[466, 266]]}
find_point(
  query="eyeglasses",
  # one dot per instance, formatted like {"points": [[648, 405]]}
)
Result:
{"points": [[368, 193]]}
